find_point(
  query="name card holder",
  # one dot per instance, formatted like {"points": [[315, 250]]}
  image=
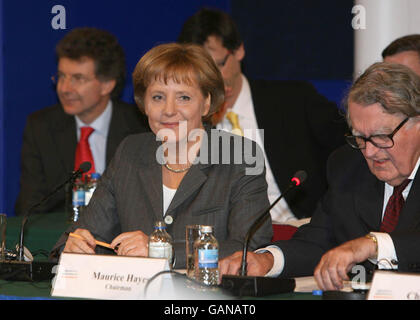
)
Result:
{"points": [[389, 285], [107, 277]]}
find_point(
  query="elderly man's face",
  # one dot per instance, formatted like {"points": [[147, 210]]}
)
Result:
{"points": [[391, 165]]}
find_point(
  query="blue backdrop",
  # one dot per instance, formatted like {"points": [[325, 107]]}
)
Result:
{"points": [[283, 39], [298, 39]]}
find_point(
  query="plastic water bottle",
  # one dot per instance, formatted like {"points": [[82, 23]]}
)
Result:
{"points": [[90, 186], [78, 200], [160, 243], [206, 252]]}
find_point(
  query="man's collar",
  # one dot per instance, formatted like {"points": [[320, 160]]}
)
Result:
{"points": [[101, 123], [416, 168], [413, 173]]}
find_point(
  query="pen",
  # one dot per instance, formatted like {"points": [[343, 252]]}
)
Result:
{"points": [[99, 243]]}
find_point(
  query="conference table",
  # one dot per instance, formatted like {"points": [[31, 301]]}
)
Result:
{"points": [[41, 233]]}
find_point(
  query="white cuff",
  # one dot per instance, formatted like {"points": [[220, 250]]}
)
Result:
{"points": [[278, 265], [387, 257]]}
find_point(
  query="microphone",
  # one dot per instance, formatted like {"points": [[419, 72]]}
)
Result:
{"points": [[239, 284], [34, 271], [84, 167]]}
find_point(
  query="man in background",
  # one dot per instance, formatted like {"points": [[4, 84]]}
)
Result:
{"points": [[301, 127], [404, 50], [87, 124]]}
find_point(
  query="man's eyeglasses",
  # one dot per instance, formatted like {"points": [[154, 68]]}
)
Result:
{"points": [[76, 80], [382, 141]]}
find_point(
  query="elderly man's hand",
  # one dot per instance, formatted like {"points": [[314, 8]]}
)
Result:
{"points": [[336, 263], [258, 264]]}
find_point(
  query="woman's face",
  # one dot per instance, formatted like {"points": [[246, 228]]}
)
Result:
{"points": [[175, 109]]}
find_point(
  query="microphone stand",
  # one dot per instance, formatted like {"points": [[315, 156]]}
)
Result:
{"points": [[255, 226], [260, 286], [34, 271], [74, 176]]}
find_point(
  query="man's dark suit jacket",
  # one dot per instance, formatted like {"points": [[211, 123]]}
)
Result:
{"points": [[351, 208], [48, 151], [301, 129], [129, 197]]}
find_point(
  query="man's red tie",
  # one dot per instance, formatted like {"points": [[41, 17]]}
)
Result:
{"points": [[393, 208], [83, 152]]}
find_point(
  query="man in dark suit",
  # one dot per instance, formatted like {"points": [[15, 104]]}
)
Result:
{"points": [[301, 127], [91, 73], [371, 211]]}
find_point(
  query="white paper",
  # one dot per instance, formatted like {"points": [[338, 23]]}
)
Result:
{"points": [[388, 285], [106, 277]]}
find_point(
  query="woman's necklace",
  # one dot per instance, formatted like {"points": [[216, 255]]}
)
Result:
{"points": [[177, 170]]}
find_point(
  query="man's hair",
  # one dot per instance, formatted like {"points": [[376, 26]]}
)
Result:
{"points": [[394, 86], [182, 63], [211, 22], [100, 46], [406, 43]]}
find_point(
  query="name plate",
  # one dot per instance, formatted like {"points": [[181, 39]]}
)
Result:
{"points": [[388, 285], [107, 277]]}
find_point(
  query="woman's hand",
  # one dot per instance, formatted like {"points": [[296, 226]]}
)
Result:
{"points": [[133, 243], [85, 245]]}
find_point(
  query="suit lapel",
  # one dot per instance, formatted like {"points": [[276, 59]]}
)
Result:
{"points": [[195, 176], [191, 182], [150, 174], [410, 214], [369, 201], [65, 137], [262, 100], [255, 101], [118, 129]]}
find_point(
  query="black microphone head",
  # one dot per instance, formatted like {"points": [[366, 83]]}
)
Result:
{"points": [[299, 177], [85, 166]]}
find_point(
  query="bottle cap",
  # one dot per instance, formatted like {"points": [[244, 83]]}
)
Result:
{"points": [[317, 292], [206, 229], [160, 225]]}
